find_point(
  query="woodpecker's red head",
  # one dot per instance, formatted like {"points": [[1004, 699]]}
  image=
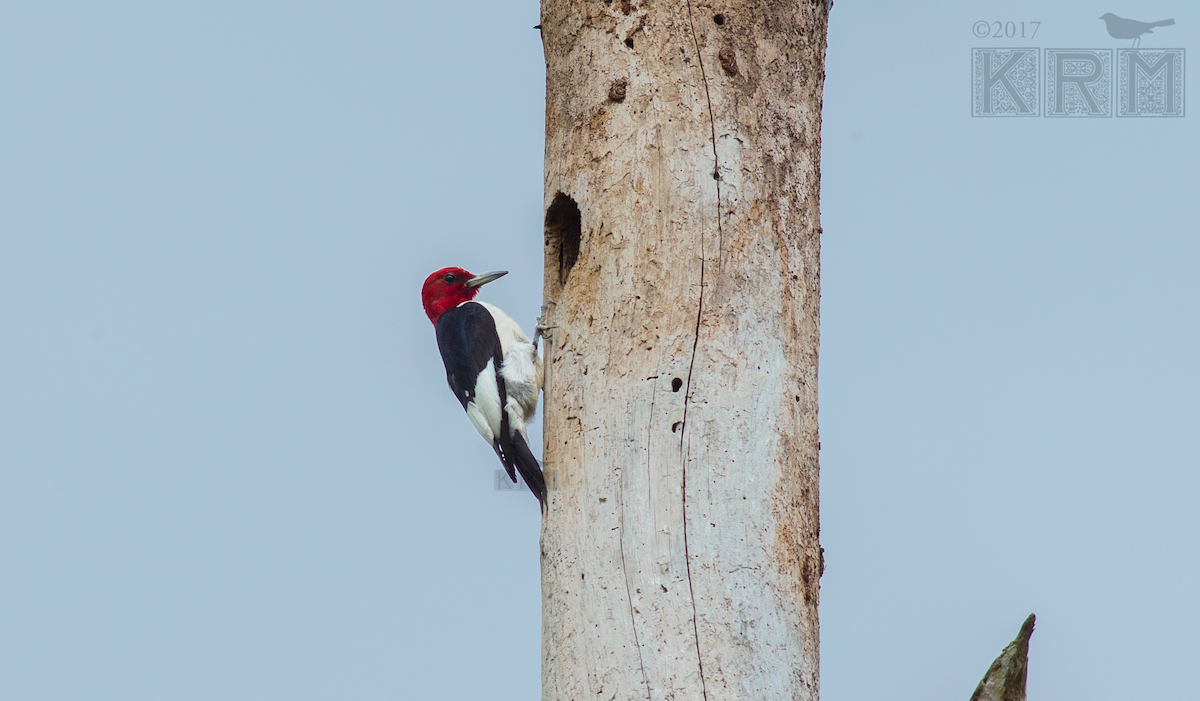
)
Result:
{"points": [[450, 287]]}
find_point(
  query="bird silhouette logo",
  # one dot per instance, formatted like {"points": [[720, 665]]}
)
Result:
{"points": [[1121, 28]]}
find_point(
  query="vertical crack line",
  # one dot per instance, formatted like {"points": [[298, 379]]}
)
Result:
{"points": [[684, 454], [624, 569], [712, 126], [629, 597]]}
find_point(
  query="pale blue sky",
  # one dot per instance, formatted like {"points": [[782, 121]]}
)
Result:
{"points": [[230, 467]]}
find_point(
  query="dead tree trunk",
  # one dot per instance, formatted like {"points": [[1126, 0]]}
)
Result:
{"points": [[680, 555]]}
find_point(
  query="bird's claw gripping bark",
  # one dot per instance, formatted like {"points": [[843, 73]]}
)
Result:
{"points": [[540, 329]]}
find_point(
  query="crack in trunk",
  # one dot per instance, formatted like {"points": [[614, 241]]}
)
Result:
{"points": [[687, 395], [624, 568]]}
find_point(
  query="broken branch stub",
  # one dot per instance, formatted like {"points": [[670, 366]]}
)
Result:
{"points": [[1005, 679]]}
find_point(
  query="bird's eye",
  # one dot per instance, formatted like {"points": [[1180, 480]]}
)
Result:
{"points": [[449, 279]]}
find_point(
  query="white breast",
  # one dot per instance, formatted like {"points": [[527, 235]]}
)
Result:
{"points": [[509, 331]]}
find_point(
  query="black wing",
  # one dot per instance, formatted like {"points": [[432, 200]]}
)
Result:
{"points": [[467, 339]]}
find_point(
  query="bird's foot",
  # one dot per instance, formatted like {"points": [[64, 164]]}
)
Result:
{"points": [[540, 329]]}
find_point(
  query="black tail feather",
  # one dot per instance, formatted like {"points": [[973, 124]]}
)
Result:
{"points": [[516, 452], [510, 445], [529, 468]]}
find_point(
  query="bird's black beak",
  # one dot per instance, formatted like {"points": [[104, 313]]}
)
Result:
{"points": [[486, 278]]}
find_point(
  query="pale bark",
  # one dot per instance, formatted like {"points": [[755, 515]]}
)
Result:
{"points": [[680, 554]]}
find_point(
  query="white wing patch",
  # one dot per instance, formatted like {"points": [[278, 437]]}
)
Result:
{"points": [[484, 410]]}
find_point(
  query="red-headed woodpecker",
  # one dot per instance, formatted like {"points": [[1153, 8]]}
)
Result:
{"points": [[492, 367]]}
